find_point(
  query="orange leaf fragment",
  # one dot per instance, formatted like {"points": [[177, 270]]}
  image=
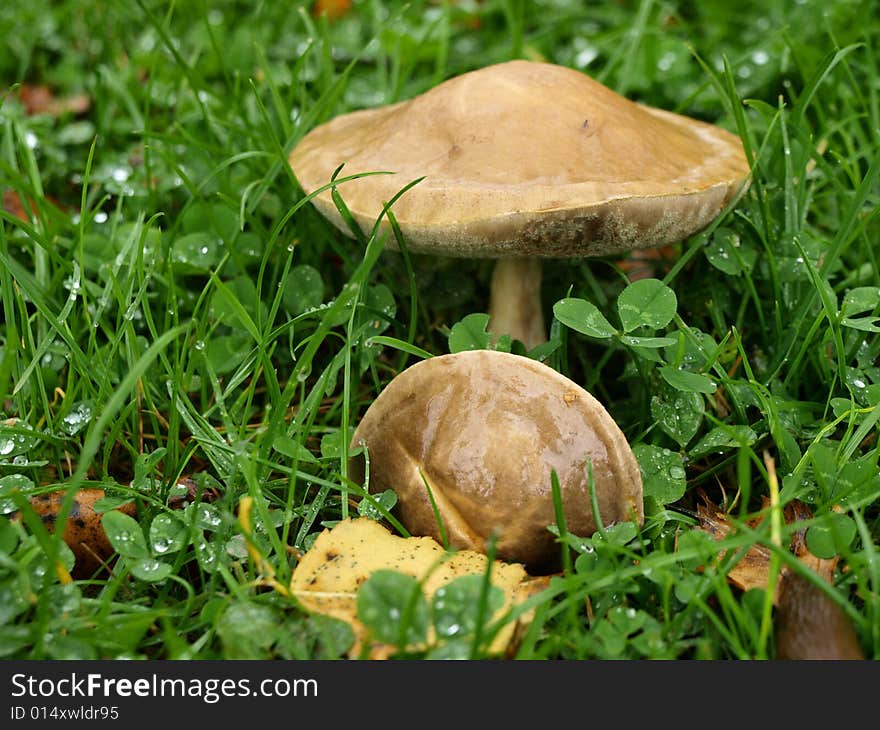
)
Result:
{"points": [[12, 204], [40, 99], [333, 9]]}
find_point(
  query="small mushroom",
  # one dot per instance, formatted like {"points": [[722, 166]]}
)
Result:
{"points": [[525, 161], [83, 531], [478, 433]]}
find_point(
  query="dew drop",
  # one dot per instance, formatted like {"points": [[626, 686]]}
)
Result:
{"points": [[586, 57], [666, 61]]}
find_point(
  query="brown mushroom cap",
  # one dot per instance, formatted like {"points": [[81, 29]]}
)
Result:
{"points": [[83, 531], [485, 428], [526, 159]]}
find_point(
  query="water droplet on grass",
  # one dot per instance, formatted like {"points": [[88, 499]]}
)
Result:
{"points": [[207, 517], [666, 61], [195, 252], [150, 569], [78, 418], [586, 57], [205, 555], [133, 313]]}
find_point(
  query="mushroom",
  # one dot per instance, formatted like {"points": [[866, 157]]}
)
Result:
{"points": [[83, 531], [524, 161], [476, 435]]}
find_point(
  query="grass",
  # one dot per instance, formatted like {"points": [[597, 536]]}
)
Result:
{"points": [[172, 306]]}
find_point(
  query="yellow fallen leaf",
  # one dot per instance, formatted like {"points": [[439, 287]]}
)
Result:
{"points": [[327, 578]]}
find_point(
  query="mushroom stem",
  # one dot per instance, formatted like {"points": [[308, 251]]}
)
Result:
{"points": [[515, 301]]}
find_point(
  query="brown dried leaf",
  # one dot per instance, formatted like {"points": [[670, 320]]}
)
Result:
{"points": [[753, 570], [40, 99], [14, 205], [327, 578]]}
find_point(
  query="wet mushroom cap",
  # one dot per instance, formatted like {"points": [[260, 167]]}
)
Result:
{"points": [[83, 531], [484, 429], [526, 159]]}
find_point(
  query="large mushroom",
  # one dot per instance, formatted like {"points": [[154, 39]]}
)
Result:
{"points": [[475, 436], [524, 161]]}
